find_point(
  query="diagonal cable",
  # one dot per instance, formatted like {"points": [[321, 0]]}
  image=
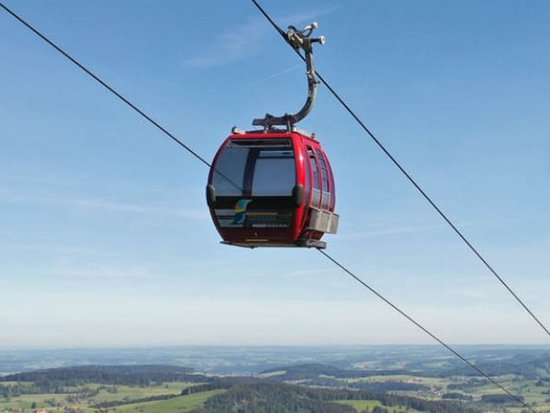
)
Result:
{"points": [[409, 177], [105, 85], [425, 330], [119, 95], [201, 159]]}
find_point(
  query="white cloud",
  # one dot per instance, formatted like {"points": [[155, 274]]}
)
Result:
{"points": [[303, 18], [247, 39], [102, 271], [392, 231], [104, 205], [55, 249], [66, 269], [310, 273], [240, 42], [278, 74], [127, 207]]}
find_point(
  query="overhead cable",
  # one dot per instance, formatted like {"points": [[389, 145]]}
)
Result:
{"points": [[201, 159], [105, 85], [408, 176], [425, 330]]}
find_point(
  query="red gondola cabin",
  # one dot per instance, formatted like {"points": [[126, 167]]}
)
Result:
{"points": [[272, 188]]}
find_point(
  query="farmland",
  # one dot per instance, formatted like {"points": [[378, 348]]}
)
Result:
{"points": [[420, 380]]}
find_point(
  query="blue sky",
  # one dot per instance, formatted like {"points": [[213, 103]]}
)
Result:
{"points": [[105, 238]]}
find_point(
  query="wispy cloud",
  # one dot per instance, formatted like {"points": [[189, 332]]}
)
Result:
{"points": [[309, 273], [102, 271], [247, 39], [470, 293], [241, 42], [277, 74], [393, 231], [56, 249], [302, 18], [105, 205], [112, 206], [131, 208], [77, 268]]}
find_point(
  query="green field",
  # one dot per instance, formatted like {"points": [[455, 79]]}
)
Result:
{"points": [[535, 395], [138, 392], [25, 402], [362, 405], [55, 402], [79, 390], [180, 404]]}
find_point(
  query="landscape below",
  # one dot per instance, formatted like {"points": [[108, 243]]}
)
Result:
{"points": [[391, 380]]}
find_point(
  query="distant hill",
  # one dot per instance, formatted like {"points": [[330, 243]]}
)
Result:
{"points": [[315, 370], [531, 369], [128, 375], [303, 371], [321, 375], [524, 365], [225, 394], [270, 397]]}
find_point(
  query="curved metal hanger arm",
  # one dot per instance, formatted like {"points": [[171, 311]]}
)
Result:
{"points": [[300, 40]]}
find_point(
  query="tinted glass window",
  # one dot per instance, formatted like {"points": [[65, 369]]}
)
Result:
{"points": [[308, 178], [274, 172], [314, 168], [324, 171], [229, 170], [262, 167], [316, 198]]}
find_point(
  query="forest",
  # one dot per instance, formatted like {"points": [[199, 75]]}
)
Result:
{"points": [[88, 385]]}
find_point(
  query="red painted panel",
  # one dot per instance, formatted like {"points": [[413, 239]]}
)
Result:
{"points": [[246, 219]]}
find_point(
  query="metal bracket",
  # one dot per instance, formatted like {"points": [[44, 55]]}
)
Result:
{"points": [[299, 40]]}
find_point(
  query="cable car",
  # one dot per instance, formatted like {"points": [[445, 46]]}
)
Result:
{"points": [[274, 187]]}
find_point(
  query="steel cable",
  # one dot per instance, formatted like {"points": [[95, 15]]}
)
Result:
{"points": [[202, 160], [408, 176]]}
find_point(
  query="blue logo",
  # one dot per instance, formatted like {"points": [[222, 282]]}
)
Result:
{"points": [[240, 211]]}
